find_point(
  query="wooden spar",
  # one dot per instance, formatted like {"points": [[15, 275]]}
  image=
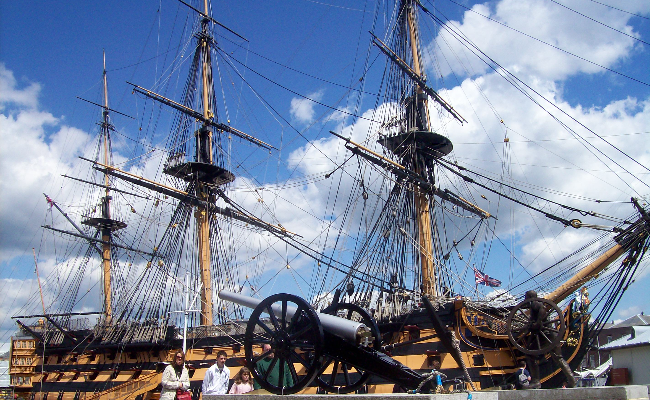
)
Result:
{"points": [[198, 116], [586, 274], [368, 150], [110, 168], [423, 213], [182, 195], [104, 186], [53, 203], [40, 290]]}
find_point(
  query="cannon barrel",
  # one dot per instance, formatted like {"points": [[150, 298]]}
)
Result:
{"points": [[349, 330]]}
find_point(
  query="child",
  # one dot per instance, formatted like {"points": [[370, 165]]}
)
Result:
{"points": [[243, 382]]}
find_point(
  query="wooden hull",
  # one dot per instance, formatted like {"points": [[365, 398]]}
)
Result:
{"points": [[118, 372]]}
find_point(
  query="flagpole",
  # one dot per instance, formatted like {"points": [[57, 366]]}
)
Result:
{"points": [[39, 281]]}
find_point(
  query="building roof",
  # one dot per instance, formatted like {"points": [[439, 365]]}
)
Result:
{"points": [[607, 325], [635, 320], [640, 336]]}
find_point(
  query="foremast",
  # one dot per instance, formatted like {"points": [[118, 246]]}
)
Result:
{"points": [[412, 144], [419, 116]]}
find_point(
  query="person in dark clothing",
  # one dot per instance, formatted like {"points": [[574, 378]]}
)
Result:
{"points": [[523, 376], [274, 375]]}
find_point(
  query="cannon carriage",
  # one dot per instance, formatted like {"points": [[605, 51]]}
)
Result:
{"points": [[289, 346]]}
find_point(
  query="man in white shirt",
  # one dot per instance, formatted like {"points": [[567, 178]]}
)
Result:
{"points": [[217, 376]]}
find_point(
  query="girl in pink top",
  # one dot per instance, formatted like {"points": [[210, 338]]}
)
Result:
{"points": [[243, 382]]}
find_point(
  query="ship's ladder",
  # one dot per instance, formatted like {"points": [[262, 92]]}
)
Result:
{"points": [[130, 389]]}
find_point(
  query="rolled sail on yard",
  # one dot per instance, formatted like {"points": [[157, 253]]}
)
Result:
{"points": [[348, 330]]}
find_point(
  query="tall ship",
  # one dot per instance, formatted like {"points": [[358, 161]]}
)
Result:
{"points": [[374, 216]]}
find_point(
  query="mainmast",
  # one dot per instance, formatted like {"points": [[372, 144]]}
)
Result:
{"points": [[204, 155], [202, 172], [106, 210], [105, 223], [206, 172]]}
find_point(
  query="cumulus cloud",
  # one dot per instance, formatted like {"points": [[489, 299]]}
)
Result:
{"points": [[37, 147], [539, 152], [548, 22], [570, 166], [630, 311], [13, 94], [302, 110]]}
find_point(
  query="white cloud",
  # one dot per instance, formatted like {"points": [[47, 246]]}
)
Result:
{"points": [[12, 95], [37, 147], [35, 150], [629, 312], [533, 163], [548, 22], [302, 110], [540, 153]]}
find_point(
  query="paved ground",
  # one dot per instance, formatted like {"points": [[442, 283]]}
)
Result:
{"points": [[632, 392]]}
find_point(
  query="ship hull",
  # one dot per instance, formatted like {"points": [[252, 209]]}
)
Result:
{"points": [[134, 370]]}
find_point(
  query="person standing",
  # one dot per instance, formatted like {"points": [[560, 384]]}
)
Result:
{"points": [[217, 376], [523, 376], [175, 378], [243, 382], [274, 375]]}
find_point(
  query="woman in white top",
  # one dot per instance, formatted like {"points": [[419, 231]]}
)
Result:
{"points": [[175, 377]]}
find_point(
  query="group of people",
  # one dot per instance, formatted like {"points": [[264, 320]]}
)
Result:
{"points": [[176, 381]]}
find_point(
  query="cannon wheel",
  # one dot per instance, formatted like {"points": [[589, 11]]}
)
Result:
{"points": [[536, 326], [352, 382], [291, 338]]}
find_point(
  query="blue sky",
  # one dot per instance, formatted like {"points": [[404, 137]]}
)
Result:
{"points": [[52, 52]]}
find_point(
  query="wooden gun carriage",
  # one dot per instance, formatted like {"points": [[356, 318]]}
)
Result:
{"points": [[345, 342]]}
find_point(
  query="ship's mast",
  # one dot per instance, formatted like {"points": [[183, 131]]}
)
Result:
{"points": [[204, 155], [420, 113], [105, 223], [204, 173], [106, 208]]}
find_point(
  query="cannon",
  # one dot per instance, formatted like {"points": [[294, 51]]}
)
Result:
{"points": [[344, 343], [298, 335]]}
